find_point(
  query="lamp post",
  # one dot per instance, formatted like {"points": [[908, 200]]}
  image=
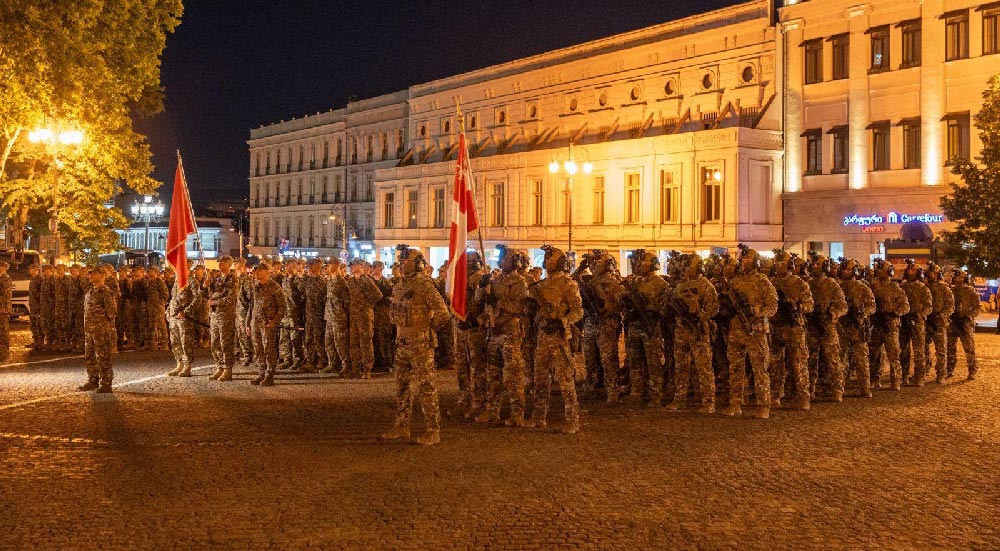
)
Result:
{"points": [[55, 139], [343, 227], [570, 168], [147, 212]]}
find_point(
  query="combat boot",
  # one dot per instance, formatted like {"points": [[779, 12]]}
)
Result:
{"points": [[215, 376], [775, 403], [329, 369], [104, 388], [732, 410], [571, 427], [396, 433], [632, 399], [186, 371], [177, 370], [534, 423], [837, 396], [762, 413], [613, 398], [227, 374], [472, 413], [940, 377], [429, 438], [515, 420], [268, 380], [676, 405], [802, 403], [89, 385], [488, 418], [257, 380], [707, 409]]}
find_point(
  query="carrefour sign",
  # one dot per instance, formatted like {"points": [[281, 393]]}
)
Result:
{"points": [[864, 220]]}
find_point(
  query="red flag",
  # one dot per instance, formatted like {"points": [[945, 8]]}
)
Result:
{"points": [[181, 226], [464, 220]]}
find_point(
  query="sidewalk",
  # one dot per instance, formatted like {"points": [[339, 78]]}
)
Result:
{"points": [[986, 322]]}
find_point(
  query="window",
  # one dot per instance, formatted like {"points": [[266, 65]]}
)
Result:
{"points": [[881, 148], [880, 49], [814, 151], [536, 202], [814, 60], [911, 44], [632, 198], [497, 204], [439, 208], [566, 206], [670, 198], [598, 199], [389, 210], [958, 137], [956, 36], [991, 28], [839, 149], [326, 154], [911, 143], [837, 249], [412, 202], [711, 191], [841, 50]]}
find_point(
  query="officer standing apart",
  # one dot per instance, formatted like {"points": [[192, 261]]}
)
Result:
{"points": [[268, 310], [222, 320], [99, 310], [417, 311]]}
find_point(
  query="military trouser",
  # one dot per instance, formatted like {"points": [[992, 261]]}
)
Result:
{"points": [[912, 343], [223, 338], [823, 343], [962, 331], [37, 335], [669, 364], [136, 323], [854, 356], [414, 369], [97, 354], [743, 345], [528, 344], [600, 352], [470, 367], [361, 344], [644, 358], [446, 344], [552, 360], [505, 372], [337, 340], [63, 321], [182, 340], [244, 345], [45, 325], [938, 336], [290, 343], [4, 337], [77, 339], [156, 316], [314, 342], [789, 356], [384, 337], [692, 351], [265, 347], [885, 337], [720, 355]]}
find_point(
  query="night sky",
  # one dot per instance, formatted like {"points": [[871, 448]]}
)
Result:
{"points": [[234, 65]]}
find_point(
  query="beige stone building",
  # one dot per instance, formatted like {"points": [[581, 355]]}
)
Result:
{"points": [[878, 97], [679, 121]]}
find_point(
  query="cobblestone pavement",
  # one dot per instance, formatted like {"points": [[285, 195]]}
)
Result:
{"points": [[165, 463]]}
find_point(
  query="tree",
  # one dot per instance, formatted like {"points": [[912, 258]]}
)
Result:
{"points": [[90, 65], [974, 203]]}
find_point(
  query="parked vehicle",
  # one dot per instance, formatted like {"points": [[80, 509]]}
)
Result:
{"points": [[18, 273]]}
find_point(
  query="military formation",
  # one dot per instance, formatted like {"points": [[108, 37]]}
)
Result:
{"points": [[740, 331]]}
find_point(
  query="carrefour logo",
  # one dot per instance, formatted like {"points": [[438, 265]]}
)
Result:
{"points": [[892, 217]]}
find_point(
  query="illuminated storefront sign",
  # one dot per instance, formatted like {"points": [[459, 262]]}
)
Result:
{"points": [[864, 220]]}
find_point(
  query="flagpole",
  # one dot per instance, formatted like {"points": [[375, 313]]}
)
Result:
{"points": [[187, 192], [472, 188]]}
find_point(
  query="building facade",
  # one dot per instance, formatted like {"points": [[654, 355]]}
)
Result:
{"points": [[216, 235], [878, 101]]}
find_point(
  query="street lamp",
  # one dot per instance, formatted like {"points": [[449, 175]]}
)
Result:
{"points": [[55, 139], [147, 212], [343, 227], [570, 167]]}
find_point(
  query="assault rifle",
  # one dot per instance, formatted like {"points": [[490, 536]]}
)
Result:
{"points": [[635, 304], [738, 299], [788, 311], [690, 321]]}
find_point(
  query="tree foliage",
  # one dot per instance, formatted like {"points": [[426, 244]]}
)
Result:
{"points": [[82, 64]]}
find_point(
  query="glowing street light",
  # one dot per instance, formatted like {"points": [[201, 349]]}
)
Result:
{"points": [[571, 168], [147, 212], [55, 139]]}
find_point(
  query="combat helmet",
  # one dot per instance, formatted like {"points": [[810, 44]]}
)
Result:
{"points": [[883, 268], [913, 271], [934, 268], [555, 259], [693, 265], [748, 253], [409, 256], [781, 263], [639, 257], [849, 269]]}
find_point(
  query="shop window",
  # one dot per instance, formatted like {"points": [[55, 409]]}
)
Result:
{"points": [[840, 143], [911, 44], [711, 193], [956, 35], [632, 198], [881, 148], [841, 50], [814, 151], [836, 250], [598, 199], [813, 50], [911, 143], [879, 49]]}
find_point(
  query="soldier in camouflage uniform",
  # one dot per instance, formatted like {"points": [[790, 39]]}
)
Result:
{"points": [[363, 295], [602, 323], [180, 313], [695, 302], [505, 299], [47, 307], [963, 323], [292, 331], [417, 311], [937, 322], [268, 310], [559, 307], [111, 282], [721, 268], [244, 303], [315, 323], [124, 290], [63, 313], [202, 330], [99, 321], [755, 301], [855, 326], [383, 328], [338, 349], [470, 345], [139, 309], [647, 297], [789, 354], [222, 319], [446, 335], [77, 288], [6, 296], [821, 335], [913, 325], [529, 327], [890, 303], [35, 307], [157, 296]]}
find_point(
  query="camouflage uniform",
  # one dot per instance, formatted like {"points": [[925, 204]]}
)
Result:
{"points": [[157, 297], [559, 307], [268, 310], [891, 303], [47, 310], [63, 319], [202, 330], [937, 328], [647, 298], [417, 311], [912, 332], [111, 282], [504, 298], [315, 306], [77, 290], [6, 296], [470, 350], [695, 302], [384, 339], [854, 329], [821, 335], [182, 334], [123, 299], [789, 354], [963, 326], [244, 304], [602, 325], [363, 294], [36, 317], [222, 320], [291, 334], [338, 349], [99, 311]]}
